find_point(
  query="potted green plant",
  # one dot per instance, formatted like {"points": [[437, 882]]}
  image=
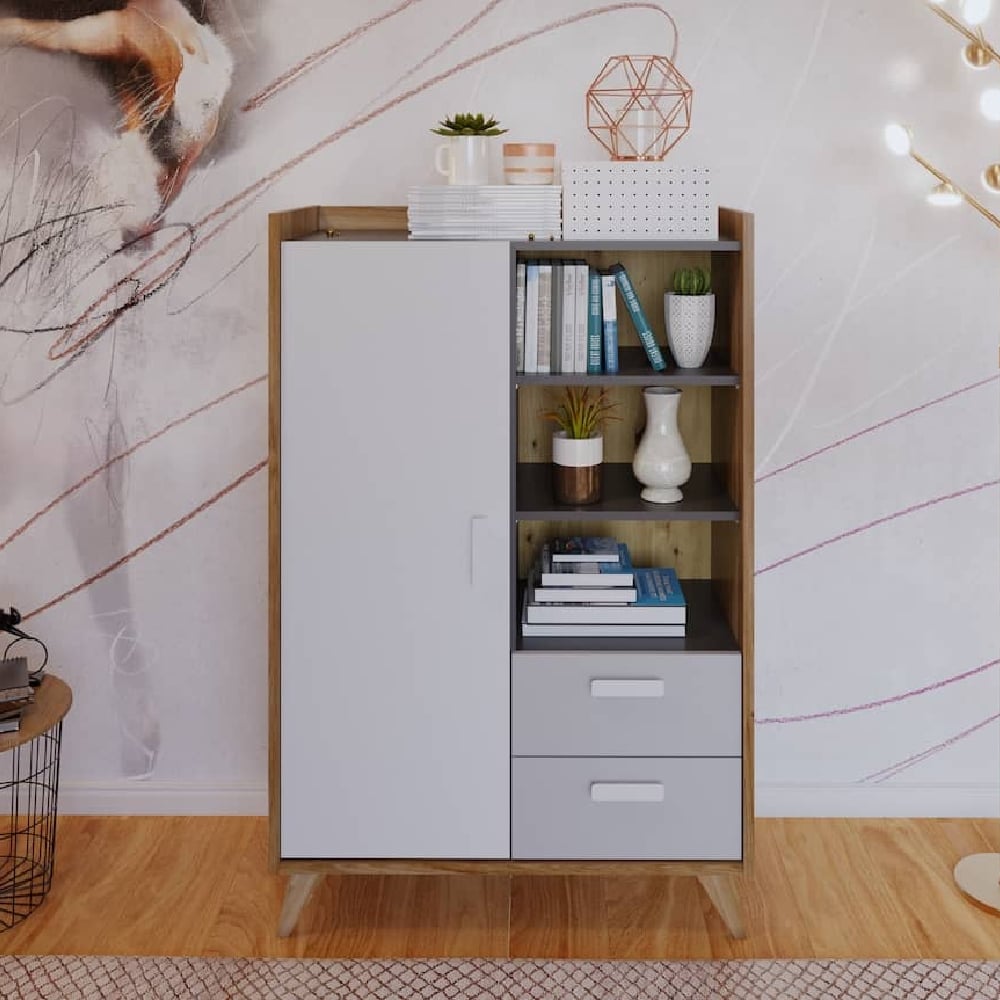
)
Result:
{"points": [[464, 158], [689, 311], [578, 444]]}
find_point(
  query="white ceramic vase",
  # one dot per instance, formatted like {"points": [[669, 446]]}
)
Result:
{"points": [[577, 468], [661, 461], [690, 323]]}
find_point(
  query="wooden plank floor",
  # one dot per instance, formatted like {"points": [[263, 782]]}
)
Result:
{"points": [[821, 888]]}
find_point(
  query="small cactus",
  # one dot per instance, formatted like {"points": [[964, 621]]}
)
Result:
{"points": [[692, 281], [468, 124]]}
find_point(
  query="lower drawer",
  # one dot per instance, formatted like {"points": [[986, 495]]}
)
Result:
{"points": [[627, 808]]}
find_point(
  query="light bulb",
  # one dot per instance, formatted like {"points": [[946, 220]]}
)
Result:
{"points": [[976, 11], [898, 139], [944, 195], [989, 104], [975, 56], [991, 178]]}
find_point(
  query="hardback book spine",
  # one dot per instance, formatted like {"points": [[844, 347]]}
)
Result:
{"points": [[582, 294], [568, 293], [594, 319], [639, 320], [609, 310], [519, 298], [556, 326], [544, 318], [531, 317]]}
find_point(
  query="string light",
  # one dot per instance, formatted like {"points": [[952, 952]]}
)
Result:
{"points": [[978, 54]]}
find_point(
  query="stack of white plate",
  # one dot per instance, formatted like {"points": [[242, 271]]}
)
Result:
{"points": [[487, 212]]}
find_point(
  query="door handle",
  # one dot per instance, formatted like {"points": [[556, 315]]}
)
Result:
{"points": [[614, 687], [474, 521], [626, 791]]}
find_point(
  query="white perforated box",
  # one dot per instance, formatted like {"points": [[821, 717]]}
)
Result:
{"points": [[649, 200]]}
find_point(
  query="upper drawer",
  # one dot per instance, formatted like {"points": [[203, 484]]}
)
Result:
{"points": [[627, 704]]}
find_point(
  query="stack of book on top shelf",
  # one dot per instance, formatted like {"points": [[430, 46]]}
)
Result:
{"points": [[588, 587], [16, 693], [566, 318], [485, 212]]}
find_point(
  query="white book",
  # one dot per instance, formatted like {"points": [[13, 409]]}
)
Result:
{"points": [[519, 298], [568, 292], [583, 595], [582, 308], [544, 312], [602, 631], [531, 317], [602, 614]]}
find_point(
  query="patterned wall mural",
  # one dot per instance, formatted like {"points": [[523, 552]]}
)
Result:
{"points": [[142, 143]]}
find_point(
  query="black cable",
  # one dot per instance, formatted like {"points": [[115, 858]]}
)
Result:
{"points": [[20, 636]]}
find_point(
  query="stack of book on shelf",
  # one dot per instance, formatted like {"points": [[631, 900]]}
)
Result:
{"points": [[15, 693], [485, 212], [567, 318], [588, 587]]}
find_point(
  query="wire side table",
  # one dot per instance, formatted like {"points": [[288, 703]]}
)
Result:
{"points": [[29, 792]]}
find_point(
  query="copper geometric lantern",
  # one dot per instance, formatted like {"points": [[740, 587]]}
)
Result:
{"points": [[639, 107]]}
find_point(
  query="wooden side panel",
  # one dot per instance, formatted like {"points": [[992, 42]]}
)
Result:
{"points": [[281, 226], [732, 547]]}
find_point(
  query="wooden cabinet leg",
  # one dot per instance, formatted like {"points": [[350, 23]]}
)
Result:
{"points": [[721, 890], [297, 892]]}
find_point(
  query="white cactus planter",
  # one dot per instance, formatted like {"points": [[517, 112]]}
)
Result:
{"points": [[690, 321]]}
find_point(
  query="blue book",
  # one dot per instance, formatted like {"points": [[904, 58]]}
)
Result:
{"points": [[585, 548], [639, 320], [585, 574], [594, 320], [658, 588], [609, 311]]}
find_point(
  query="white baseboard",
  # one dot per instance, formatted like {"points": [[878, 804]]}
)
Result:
{"points": [[976, 801], [160, 798]]}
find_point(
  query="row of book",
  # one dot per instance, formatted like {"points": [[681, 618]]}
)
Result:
{"points": [[566, 318], [587, 586], [16, 693]]}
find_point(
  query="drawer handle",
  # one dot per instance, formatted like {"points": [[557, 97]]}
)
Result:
{"points": [[617, 688], [626, 791]]}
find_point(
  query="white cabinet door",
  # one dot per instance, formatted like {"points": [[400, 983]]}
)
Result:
{"points": [[395, 507]]}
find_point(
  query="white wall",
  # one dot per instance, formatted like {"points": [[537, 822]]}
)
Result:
{"points": [[870, 304]]}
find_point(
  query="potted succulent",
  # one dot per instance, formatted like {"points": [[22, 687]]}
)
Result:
{"points": [[578, 444], [689, 311], [464, 158]]}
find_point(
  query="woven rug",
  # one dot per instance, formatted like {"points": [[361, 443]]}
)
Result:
{"points": [[60, 977]]}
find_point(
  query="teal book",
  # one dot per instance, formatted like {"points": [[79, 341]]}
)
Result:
{"points": [[658, 588], [639, 320], [609, 325], [594, 319]]}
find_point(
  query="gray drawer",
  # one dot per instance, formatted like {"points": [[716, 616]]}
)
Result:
{"points": [[627, 704], [627, 809]]}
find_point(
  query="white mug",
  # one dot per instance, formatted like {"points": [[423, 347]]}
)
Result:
{"points": [[464, 159]]}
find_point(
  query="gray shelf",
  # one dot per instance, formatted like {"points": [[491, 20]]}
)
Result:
{"points": [[708, 630], [634, 369], [583, 246], [705, 498]]}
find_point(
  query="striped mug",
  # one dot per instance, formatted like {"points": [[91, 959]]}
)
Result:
{"points": [[529, 162]]}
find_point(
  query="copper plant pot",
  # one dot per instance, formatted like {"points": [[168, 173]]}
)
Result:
{"points": [[576, 469]]}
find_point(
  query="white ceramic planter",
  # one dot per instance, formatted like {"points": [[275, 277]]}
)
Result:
{"points": [[464, 159], [690, 321], [577, 468], [661, 461]]}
